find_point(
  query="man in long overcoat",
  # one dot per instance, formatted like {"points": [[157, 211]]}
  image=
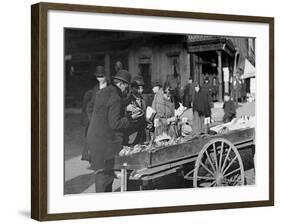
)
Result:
{"points": [[105, 133], [88, 105]]}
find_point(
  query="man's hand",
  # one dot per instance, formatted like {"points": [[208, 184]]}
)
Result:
{"points": [[131, 107], [149, 125], [137, 115]]}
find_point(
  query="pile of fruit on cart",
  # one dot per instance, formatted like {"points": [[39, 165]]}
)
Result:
{"points": [[160, 142], [165, 140]]}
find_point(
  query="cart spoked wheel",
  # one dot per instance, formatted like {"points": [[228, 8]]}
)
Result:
{"points": [[218, 164]]}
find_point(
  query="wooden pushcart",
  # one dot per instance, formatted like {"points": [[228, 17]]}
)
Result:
{"points": [[204, 161]]}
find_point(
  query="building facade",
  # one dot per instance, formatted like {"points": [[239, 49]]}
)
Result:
{"points": [[154, 56]]}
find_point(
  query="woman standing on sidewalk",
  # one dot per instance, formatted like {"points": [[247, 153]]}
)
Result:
{"points": [[165, 112], [201, 110]]}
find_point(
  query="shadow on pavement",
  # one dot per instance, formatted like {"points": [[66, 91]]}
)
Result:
{"points": [[79, 184], [74, 138]]}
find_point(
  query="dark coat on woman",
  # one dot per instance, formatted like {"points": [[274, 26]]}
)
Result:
{"points": [[188, 95], [107, 125], [201, 110], [201, 103], [207, 89]]}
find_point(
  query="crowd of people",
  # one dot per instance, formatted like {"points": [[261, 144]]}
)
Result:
{"points": [[114, 115]]}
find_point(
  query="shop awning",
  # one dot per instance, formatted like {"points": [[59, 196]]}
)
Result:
{"points": [[249, 70], [211, 44]]}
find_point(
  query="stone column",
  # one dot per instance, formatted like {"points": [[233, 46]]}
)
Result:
{"points": [[219, 67], [234, 73], [107, 64]]}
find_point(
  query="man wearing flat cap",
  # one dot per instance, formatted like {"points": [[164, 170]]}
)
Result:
{"points": [[136, 103], [106, 130]]}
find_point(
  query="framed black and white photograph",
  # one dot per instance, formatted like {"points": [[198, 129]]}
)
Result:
{"points": [[138, 111]]}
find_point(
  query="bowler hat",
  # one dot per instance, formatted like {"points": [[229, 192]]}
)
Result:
{"points": [[138, 81], [99, 71], [123, 75], [156, 84]]}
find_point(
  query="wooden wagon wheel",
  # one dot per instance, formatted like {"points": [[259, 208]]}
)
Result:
{"points": [[218, 164]]}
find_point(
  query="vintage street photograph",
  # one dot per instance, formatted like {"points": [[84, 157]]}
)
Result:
{"points": [[157, 111]]}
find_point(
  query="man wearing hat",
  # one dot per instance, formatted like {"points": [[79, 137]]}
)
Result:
{"points": [[106, 130], [136, 103], [156, 86], [102, 83], [88, 104]]}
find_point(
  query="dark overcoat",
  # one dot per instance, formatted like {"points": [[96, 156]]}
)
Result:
{"points": [[138, 127], [207, 89], [91, 103], [105, 133], [188, 94], [88, 96], [201, 103]]}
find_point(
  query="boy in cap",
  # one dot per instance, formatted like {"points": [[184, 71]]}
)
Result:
{"points": [[136, 103]]}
